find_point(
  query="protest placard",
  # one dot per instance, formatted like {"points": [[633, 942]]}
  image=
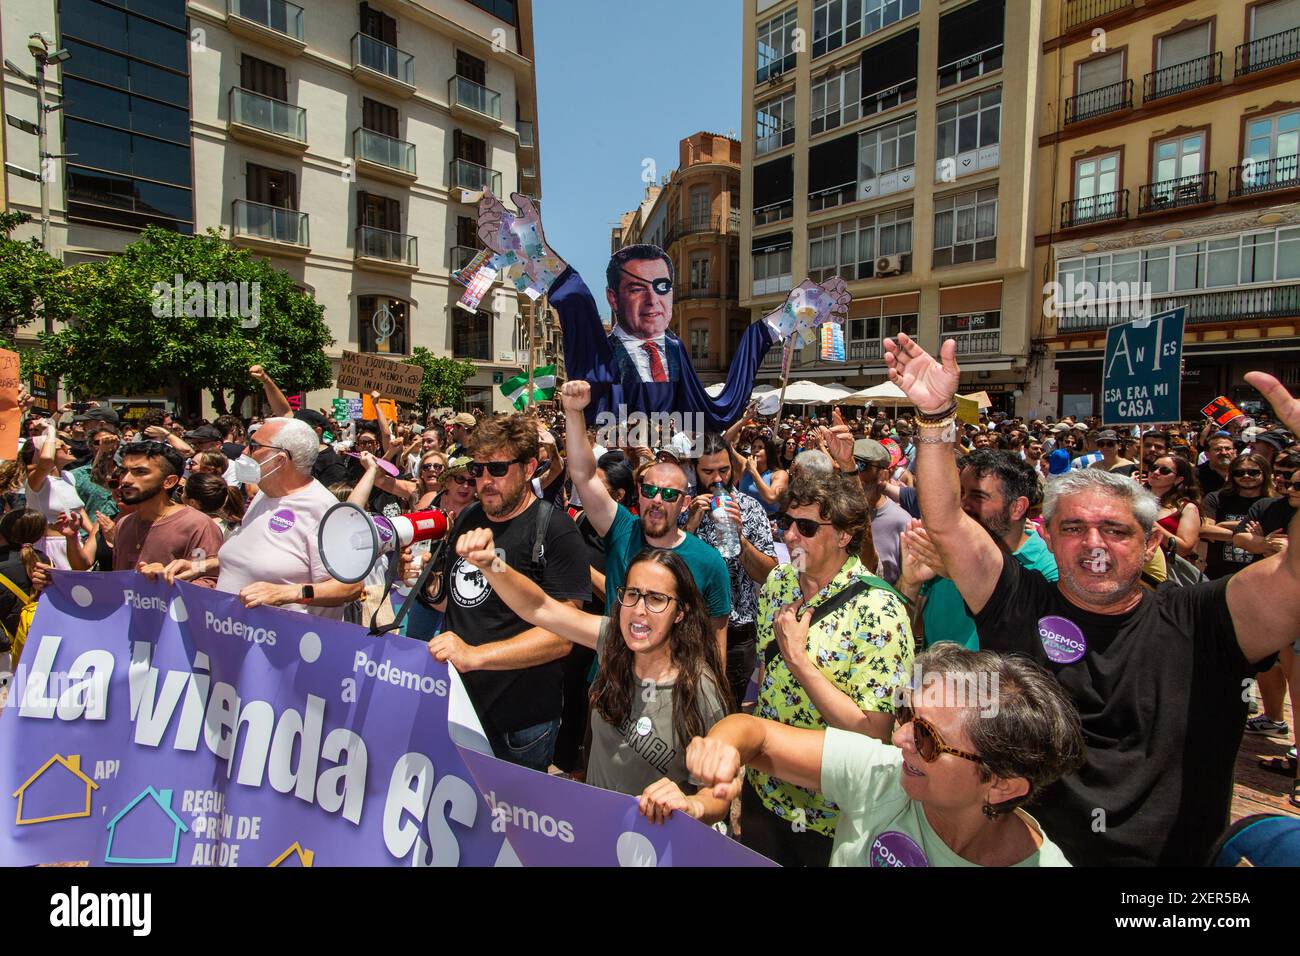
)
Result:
{"points": [[10, 414], [362, 373], [1221, 411]]}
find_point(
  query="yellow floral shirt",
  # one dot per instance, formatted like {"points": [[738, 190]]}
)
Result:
{"points": [[864, 648]]}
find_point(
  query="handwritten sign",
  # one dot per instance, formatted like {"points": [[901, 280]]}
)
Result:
{"points": [[1221, 411], [361, 373], [10, 414]]}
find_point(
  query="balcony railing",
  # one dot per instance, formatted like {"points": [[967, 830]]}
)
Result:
{"points": [[687, 293], [375, 243], [467, 175], [1090, 209], [1181, 77], [379, 56], [1267, 52], [1264, 175], [867, 349], [1176, 193], [1228, 305], [977, 343], [382, 150], [1081, 11], [692, 227], [733, 221], [526, 139], [461, 256], [274, 116], [473, 96], [275, 223], [275, 15], [1098, 102]]}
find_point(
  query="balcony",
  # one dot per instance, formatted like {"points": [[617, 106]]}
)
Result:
{"points": [[461, 256], [1267, 52], [1094, 209], [270, 229], [264, 121], [473, 177], [1099, 102], [386, 251], [1264, 176], [273, 22], [1182, 77], [690, 293], [386, 67], [1177, 193], [692, 227], [526, 137], [977, 343], [383, 157], [1230, 305], [863, 350], [1081, 11], [470, 100]]}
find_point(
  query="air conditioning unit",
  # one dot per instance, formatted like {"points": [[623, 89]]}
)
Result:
{"points": [[889, 265]]}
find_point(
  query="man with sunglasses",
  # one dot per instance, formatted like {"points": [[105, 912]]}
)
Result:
{"points": [[1157, 676], [662, 496]]}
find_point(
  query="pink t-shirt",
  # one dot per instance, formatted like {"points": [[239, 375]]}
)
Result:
{"points": [[276, 542]]}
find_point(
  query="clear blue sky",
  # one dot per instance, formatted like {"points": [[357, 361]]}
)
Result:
{"points": [[618, 82]]}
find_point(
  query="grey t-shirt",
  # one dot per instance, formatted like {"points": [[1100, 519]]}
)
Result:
{"points": [[888, 522], [645, 749]]}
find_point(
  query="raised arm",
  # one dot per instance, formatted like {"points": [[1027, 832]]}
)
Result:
{"points": [[965, 547], [280, 406], [600, 506], [523, 596], [790, 753], [43, 465], [1264, 598]]}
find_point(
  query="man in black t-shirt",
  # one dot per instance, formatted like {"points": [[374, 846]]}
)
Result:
{"points": [[1218, 457], [512, 671], [1158, 677]]}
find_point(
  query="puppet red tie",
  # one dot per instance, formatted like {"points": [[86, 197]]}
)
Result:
{"points": [[657, 372]]}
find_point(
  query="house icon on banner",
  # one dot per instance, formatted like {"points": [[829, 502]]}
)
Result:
{"points": [[62, 794], [305, 857], [143, 836]]}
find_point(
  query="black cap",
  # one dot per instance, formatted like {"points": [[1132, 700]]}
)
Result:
{"points": [[204, 433], [101, 413], [312, 417]]}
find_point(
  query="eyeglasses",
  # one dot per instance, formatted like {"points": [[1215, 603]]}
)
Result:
{"points": [[1162, 470], [655, 602], [1284, 481], [497, 469], [366, 442], [432, 466], [661, 286], [461, 479], [669, 495], [256, 446], [1248, 473], [929, 743], [807, 527], [1107, 444]]}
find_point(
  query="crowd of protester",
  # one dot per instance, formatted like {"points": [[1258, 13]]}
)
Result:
{"points": [[763, 628]]}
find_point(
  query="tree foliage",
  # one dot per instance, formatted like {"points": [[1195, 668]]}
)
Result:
{"points": [[116, 340], [444, 379], [27, 273]]}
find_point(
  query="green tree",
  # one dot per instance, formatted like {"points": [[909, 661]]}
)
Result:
{"points": [[444, 379], [27, 278], [126, 334]]}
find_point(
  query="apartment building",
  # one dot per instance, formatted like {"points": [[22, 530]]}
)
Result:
{"points": [[337, 139], [891, 142], [1168, 159], [694, 216]]}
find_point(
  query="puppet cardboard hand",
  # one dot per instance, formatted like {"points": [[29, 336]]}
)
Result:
{"points": [[808, 306], [518, 243]]}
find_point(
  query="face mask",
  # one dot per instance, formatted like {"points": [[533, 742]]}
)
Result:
{"points": [[249, 471]]}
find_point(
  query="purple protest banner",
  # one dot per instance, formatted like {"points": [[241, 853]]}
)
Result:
{"points": [[150, 724]]}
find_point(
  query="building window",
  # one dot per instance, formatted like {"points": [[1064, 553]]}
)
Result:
{"points": [[836, 100], [699, 341], [889, 73], [776, 45], [382, 325], [966, 226], [1096, 189], [887, 158], [1099, 88], [1273, 137], [471, 335], [771, 261], [837, 22], [833, 173], [701, 207], [975, 333], [1178, 157], [774, 191], [501, 9], [968, 135], [849, 249], [1270, 19], [970, 41], [699, 273], [774, 125]]}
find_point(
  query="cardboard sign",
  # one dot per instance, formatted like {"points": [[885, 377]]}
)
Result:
{"points": [[1142, 370], [45, 394], [368, 409], [362, 373], [1221, 411], [10, 414]]}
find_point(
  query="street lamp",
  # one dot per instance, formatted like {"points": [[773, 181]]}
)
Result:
{"points": [[39, 47]]}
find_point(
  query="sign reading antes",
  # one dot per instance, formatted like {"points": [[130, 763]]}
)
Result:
{"points": [[362, 373], [1142, 371]]}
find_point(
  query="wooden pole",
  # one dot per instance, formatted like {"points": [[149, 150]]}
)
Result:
{"points": [[532, 354], [786, 359]]}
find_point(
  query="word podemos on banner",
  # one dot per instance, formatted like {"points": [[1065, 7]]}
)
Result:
{"points": [[1142, 372], [170, 726]]}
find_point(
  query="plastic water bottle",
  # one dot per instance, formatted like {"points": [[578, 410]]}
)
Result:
{"points": [[728, 532]]}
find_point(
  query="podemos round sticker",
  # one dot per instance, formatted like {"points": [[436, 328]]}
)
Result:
{"points": [[1063, 640], [892, 848], [643, 726]]}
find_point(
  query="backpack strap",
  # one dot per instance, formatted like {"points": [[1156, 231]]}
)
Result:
{"points": [[537, 563], [18, 592], [862, 583]]}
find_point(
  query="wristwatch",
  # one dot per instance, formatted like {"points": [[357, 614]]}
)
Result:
{"points": [[308, 592]]}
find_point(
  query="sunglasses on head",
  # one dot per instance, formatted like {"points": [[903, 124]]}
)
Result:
{"points": [[655, 602], [669, 495], [497, 469], [929, 743], [661, 286], [807, 527]]}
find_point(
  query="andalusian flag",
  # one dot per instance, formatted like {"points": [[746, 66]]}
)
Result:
{"points": [[516, 389]]}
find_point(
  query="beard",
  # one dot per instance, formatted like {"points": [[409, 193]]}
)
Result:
{"points": [[138, 496], [508, 501], [656, 523]]}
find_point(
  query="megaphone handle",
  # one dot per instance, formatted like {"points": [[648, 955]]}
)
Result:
{"points": [[389, 579]]}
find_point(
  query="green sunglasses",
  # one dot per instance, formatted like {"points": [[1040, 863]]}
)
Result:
{"points": [[650, 492]]}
